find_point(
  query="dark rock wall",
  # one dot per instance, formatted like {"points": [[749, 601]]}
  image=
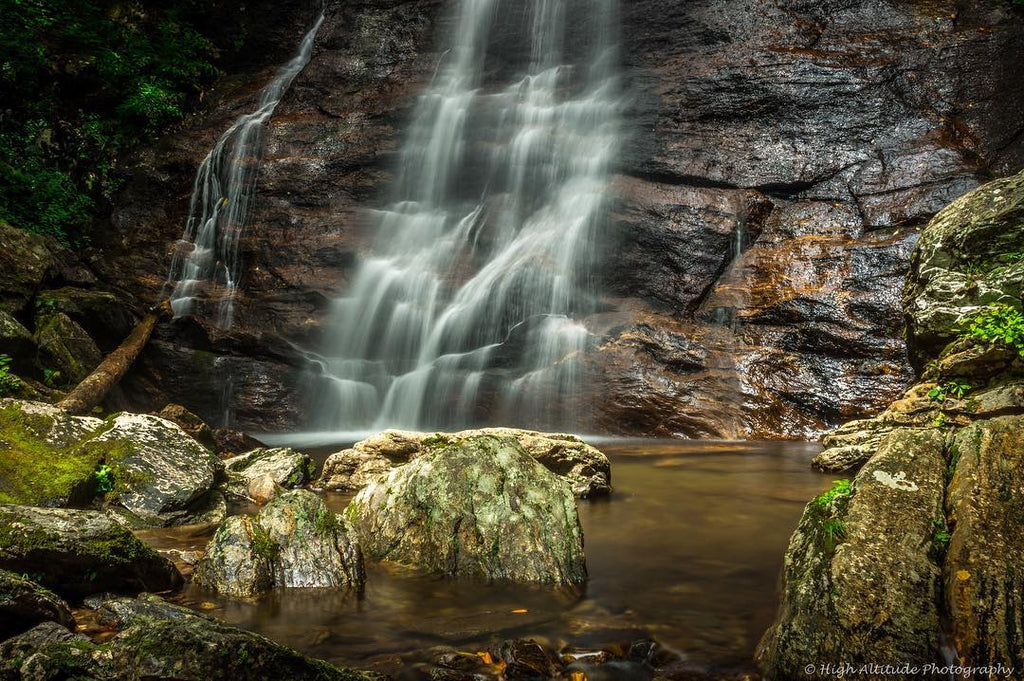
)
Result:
{"points": [[780, 156]]}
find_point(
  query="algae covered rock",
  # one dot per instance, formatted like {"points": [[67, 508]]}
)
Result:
{"points": [[583, 466], [159, 473], [102, 314], [969, 255], [24, 604], [284, 466], [78, 552], [984, 566], [481, 507], [861, 578], [40, 462], [66, 347], [294, 541]]}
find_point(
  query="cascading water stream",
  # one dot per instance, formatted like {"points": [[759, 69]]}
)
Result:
{"points": [[205, 263], [467, 309]]}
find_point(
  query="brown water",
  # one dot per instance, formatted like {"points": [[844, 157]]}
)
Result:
{"points": [[687, 551]]}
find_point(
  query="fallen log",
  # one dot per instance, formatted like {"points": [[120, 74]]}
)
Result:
{"points": [[94, 387]]}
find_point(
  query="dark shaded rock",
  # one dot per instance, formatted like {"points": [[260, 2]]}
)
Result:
{"points": [[17, 343], [191, 424], [24, 604], [526, 659], [103, 315], [294, 541], [25, 263], [66, 347], [984, 568], [234, 441], [77, 553], [861, 580], [480, 507]]}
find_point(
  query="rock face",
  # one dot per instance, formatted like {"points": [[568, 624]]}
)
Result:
{"points": [[157, 640], [751, 285], [969, 256], [77, 553], [932, 525], [585, 468], [295, 541], [479, 507], [24, 604]]}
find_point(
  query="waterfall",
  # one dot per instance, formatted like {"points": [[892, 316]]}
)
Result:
{"points": [[206, 264], [469, 307]]}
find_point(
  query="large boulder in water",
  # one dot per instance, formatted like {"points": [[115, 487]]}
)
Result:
{"points": [[585, 468], [285, 467], [78, 552], [294, 541], [861, 580], [481, 506]]}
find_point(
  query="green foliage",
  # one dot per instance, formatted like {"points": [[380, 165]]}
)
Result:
{"points": [[941, 393], [840, 488], [104, 479], [996, 323], [835, 531], [9, 383], [85, 81]]}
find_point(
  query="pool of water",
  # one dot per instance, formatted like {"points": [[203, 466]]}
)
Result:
{"points": [[687, 551]]}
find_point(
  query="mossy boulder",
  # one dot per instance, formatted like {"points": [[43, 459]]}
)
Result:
{"points": [[861, 578], [24, 604], [286, 467], [80, 552], [970, 254], [294, 541], [40, 461], [158, 473], [480, 507], [102, 314], [155, 641], [585, 468], [66, 347], [984, 567]]}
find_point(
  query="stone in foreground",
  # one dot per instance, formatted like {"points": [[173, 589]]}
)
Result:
{"points": [[583, 466], [24, 604], [77, 552], [480, 507], [294, 541]]}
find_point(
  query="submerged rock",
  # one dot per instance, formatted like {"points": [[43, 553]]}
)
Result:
{"points": [[584, 467], [24, 604], [481, 506], [157, 640], [77, 552], [285, 467], [294, 541], [861, 579]]}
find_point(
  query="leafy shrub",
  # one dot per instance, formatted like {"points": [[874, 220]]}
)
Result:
{"points": [[996, 323], [941, 393]]}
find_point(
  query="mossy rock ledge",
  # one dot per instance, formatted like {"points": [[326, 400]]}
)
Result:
{"points": [[294, 541], [157, 640], [80, 552], [480, 507]]}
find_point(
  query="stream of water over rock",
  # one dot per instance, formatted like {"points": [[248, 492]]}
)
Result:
{"points": [[206, 267], [467, 309]]}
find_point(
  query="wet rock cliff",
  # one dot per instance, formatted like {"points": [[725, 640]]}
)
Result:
{"points": [[780, 158]]}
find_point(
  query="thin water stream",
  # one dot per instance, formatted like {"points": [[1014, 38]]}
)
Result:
{"points": [[687, 551]]}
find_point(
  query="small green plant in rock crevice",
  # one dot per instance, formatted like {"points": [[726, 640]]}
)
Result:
{"points": [[9, 383], [831, 507], [941, 393], [996, 323], [104, 479]]}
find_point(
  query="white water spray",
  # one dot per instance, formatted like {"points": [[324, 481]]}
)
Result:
{"points": [[206, 264], [467, 310]]}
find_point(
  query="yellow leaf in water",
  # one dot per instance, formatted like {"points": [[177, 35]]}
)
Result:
{"points": [[486, 657], [207, 605], [577, 675], [520, 611]]}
